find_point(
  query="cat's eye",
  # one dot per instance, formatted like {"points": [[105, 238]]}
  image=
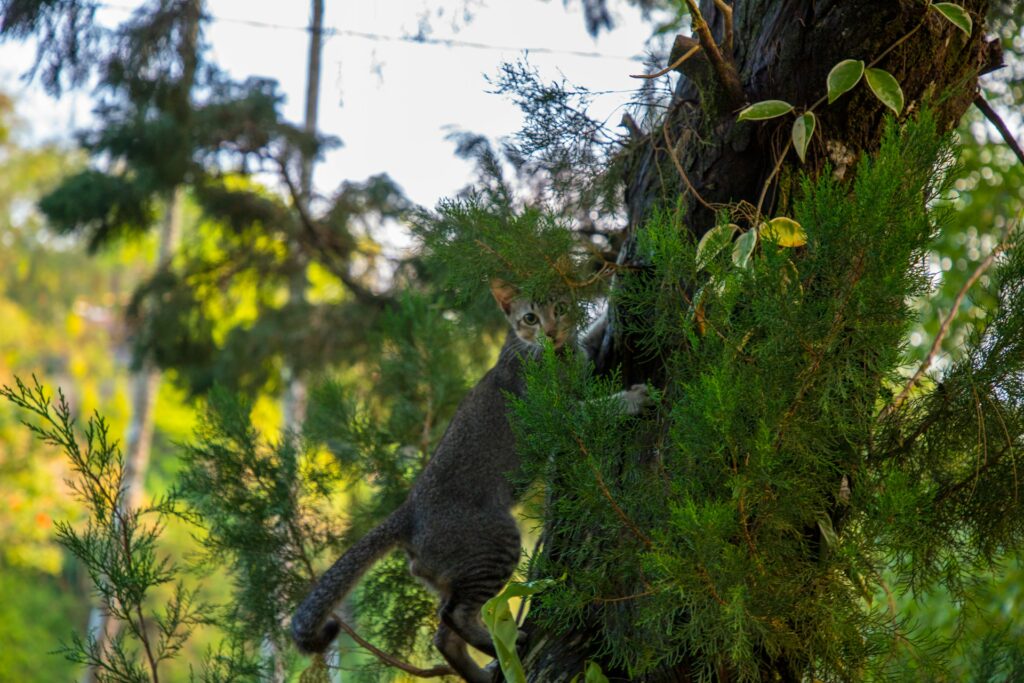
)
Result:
{"points": [[531, 319]]}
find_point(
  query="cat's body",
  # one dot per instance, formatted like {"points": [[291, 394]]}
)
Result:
{"points": [[456, 525]]}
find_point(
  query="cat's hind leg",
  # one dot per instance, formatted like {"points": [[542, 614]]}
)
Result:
{"points": [[453, 648], [469, 591]]}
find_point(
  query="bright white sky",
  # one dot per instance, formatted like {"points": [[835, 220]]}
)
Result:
{"points": [[390, 101]]}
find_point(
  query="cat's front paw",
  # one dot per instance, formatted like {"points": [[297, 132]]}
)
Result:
{"points": [[636, 399]]}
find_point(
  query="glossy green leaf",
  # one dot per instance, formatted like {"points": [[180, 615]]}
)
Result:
{"points": [[768, 109], [713, 242], [957, 15], [498, 618], [886, 88], [743, 248], [803, 129], [843, 77]]}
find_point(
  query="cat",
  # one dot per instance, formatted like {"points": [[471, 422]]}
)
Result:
{"points": [[456, 524]]}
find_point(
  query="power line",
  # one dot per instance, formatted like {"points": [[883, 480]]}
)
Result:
{"points": [[415, 40]]}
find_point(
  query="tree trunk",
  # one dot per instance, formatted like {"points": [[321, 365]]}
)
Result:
{"points": [[295, 392], [783, 50], [139, 438], [294, 401]]}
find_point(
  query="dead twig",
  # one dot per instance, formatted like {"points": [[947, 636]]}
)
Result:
{"points": [[671, 67]]}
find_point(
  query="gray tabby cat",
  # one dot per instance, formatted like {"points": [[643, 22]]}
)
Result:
{"points": [[456, 525]]}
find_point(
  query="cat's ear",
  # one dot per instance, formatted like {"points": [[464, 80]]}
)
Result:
{"points": [[503, 293]]}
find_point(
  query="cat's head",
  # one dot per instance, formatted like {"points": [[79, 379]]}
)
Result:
{"points": [[533, 320]]}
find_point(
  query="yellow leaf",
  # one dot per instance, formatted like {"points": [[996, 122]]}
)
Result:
{"points": [[785, 232]]}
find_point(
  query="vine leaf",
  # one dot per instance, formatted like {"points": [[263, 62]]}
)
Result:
{"points": [[784, 232], [767, 109], [743, 248], [497, 617], [886, 88], [713, 241], [957, 15], [843, 77], [803, 129]]}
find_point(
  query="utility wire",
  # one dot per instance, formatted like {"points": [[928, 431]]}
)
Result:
{"points": [[415, 40]]}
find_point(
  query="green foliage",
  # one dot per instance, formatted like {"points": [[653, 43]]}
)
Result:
{"points": [[756, 548], [472, 240], [169, 119], [33, 609], [399, 612], [262, 507], [566, 428], [117, 546]]}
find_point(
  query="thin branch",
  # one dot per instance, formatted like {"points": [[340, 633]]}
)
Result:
{"points": [[624, 598], [880, 57], [997, 121], [310, 227], [725, 70], [391, 660], [768, 182], [727, 13], [671, 67], [946, 323], [611, 500], [679, 168]]}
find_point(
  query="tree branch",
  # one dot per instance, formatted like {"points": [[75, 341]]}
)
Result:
{"points": [[671, 67], [309, 225], [981, 103], [724, 69], [946, 323], [679, 169], [393, 661]]}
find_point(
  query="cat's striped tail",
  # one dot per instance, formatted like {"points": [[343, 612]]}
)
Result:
{"points": [[314, 625]]}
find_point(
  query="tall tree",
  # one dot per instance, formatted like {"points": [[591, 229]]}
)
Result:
{"points": [[772, 511]]}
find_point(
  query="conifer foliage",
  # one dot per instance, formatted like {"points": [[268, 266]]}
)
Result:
{"points": [[753, 517]]}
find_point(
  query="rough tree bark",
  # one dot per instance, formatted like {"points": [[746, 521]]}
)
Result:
{"points": [[782, 49]]}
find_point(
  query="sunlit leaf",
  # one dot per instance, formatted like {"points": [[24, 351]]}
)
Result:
{"points": [[498, 619], [713, 241], [803, 129], [743, 248], [785, 232], [956, 14], [843, 77], [886, 88], [768, 109], [594, 674]]}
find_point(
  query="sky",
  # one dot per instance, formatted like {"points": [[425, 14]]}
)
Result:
{"points": [[391, 100]]}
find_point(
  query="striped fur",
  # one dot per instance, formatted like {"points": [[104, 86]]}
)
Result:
{"points": [[456, 526]]}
